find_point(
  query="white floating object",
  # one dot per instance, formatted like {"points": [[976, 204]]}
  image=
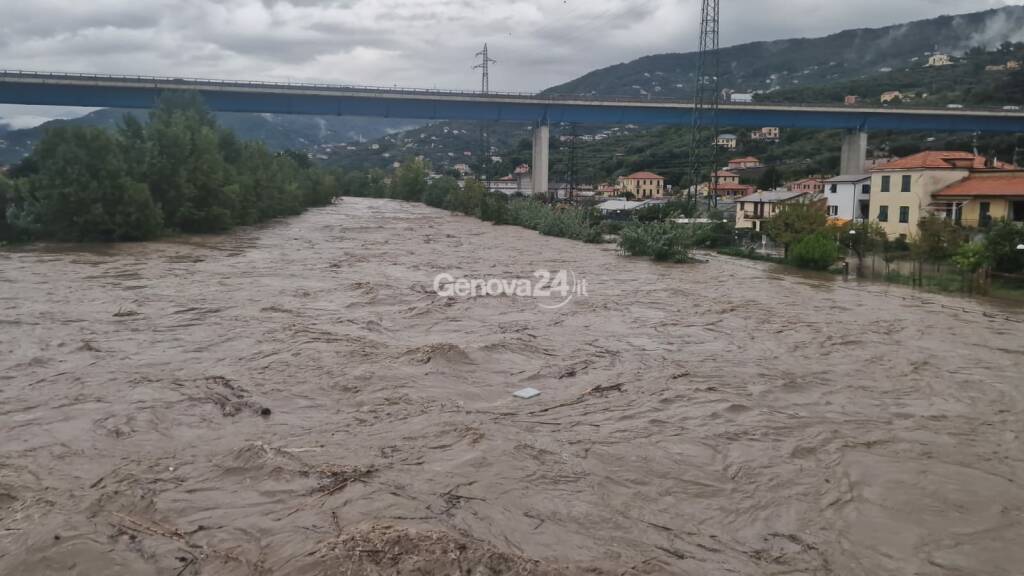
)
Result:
{"points": [[527, 393]]}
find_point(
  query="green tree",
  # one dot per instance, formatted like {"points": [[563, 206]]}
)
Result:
{"points": [[770, 179], [82, 191], [861, 238], [1001, 243], [6, 201], [134, 146], [794, 222], [410, 181], [660, 241], [937, 240], [466, 199], [376, 184], [972, 258], [815, 252], [494, 208], [439, 190]]}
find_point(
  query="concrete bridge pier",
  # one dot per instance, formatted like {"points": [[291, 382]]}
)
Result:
{"points": [[855, 153], [541, 151]]}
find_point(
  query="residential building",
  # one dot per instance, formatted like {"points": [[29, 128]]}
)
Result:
{"points": [[618, 209], [891, 96], [808, 186], [939, 60], [607, 190], [514, 185], [722, 178], [741, 98], [727, 141], [463, 169], [851, 100], [766, 134], [754, 210], [983, 197], [902, 190], [743, 163], [1013, 65], [733, 191], [849, 197], [643, 185]]}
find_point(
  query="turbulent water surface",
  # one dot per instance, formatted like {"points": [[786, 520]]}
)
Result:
{"points": [[295, 399]]}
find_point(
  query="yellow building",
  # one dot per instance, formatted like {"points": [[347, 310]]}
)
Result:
{"points": [[902, 191], [643, 185], [982, 198]]}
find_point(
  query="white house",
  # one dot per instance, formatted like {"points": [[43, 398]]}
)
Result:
{"points": [[849, 197], [518, 184], [727, 141]]}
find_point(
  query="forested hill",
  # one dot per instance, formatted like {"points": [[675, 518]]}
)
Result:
{"points": [[277, 132], [781, 64]]}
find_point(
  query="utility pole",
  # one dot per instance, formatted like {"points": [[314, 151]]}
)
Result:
{"points": [[572, 164], [485, 87], [706, 100]]}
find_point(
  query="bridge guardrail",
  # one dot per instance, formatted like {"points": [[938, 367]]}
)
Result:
{"points": [[440, 91]]}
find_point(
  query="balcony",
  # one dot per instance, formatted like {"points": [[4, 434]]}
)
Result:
{"points": [[749, 215]]}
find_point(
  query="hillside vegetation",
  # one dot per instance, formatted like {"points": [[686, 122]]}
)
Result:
{"points": [[778, 64]]}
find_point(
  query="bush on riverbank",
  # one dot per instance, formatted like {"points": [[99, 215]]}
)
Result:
{"points": [[472, 199], [7, 232], [561, 221], [180, 172], [661, 241], [815, 252]]}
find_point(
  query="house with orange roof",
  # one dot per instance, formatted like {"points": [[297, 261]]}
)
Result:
{"points": [[723, 178], [808, 186], [902, 191], [743, 163], [983, 197], [730, 191], [643, 185]]}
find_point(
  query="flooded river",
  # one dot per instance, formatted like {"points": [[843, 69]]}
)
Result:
{"points": [[295, 399]]}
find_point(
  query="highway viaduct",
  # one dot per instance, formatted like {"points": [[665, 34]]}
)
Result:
{"points": [[92, 90]]}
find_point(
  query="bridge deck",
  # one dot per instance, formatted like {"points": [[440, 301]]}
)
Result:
{"points": [[43, 88]]}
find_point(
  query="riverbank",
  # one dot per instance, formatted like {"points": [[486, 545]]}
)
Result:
{"points": [[712, 419]]}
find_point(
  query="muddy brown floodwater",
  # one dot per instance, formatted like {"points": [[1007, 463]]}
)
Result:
{"points": [[294, 399]]}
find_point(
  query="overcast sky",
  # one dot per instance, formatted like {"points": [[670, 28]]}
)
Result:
{"points": [[421, 43]]}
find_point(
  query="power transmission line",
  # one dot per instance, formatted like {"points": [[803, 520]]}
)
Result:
{"points": [[485, 87], [485, 67], [706, 100]]}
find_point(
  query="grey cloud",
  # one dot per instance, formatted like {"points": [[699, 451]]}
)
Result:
{"points": [[538, 43]]}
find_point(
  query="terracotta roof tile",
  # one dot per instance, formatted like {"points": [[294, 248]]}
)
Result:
{"points": [[643, 176], [991, 184], [937, 160]]}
